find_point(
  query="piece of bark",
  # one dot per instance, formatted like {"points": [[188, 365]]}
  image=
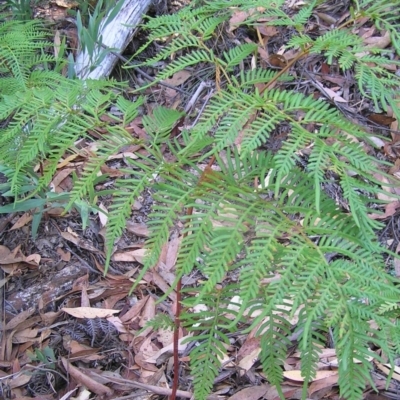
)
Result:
{"points": [[116, 35]]}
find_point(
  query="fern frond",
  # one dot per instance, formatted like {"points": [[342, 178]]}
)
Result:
{"points": [[206, 358]]}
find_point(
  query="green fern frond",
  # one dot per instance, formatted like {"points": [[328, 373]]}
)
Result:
{"points": [[212, 342]]}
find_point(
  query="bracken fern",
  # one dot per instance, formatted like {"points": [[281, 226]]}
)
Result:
{"points": [[257, 215]]}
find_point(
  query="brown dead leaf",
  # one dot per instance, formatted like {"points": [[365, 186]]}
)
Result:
{"points": [[178, 78], [20, 380], [251, 393], [20, 318], [248, 346], [323, 384], [295, 375], [49, 317], [167, 351], [118, 324], [14, 256], [81, 282], [85, 302], [137, 229], [111, 172], [172, 253], [387, 369], [134, 311], [60, 176], [249, 359], [378, 42], [381, 119], [388, 189], [33, 260], [66, 161], [85, 380], [237, 18], [125, 154], [80, 242], [390, 209], [165, 336], [112, 300], [267, 30], [160, 282], [277, 61], [139, 360], [4, 252], [25, 335], [331, 94], [67, 3], [326, 18], [64, 255], [22, 221], [149, 311], [130, 256], [89, 312]]}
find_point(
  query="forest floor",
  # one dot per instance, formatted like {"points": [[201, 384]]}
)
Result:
{"points": [[60, 310]]}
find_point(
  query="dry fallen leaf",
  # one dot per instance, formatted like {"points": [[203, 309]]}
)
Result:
{"points": [[378, 42], [89, 312], [130, 256], [64, 255], [386, 368], [251, 393], [390, 209], [134, 311], [103, 217], [381, 119], [324, 383], [295, 375], [140, 230], [22, 221], [178, 78], [18, 319], [85, 380]]}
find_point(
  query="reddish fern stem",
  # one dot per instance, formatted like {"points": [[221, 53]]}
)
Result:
{"points": [[178, 300]]}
